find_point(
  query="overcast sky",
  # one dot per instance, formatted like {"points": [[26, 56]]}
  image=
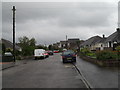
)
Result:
{"points": [[50, 22]]}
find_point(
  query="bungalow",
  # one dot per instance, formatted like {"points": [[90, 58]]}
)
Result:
{"points": [[113, 40], [91, 43], [99, 45], [9, 44]]}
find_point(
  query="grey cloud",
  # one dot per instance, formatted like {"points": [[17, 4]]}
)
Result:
{"points": [[70, 14], [50, 22]]}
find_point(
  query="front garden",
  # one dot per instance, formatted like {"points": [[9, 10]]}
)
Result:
{"points": [[102, 58]]}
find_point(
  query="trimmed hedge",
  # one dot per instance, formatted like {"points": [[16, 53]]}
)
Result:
{"points": [[107, 55]]}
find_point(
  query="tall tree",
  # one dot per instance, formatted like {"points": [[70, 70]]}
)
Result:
{"points": [[27, 45], [50, 47]]}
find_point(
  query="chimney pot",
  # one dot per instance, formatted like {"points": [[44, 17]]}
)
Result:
{"points": [[118, 30], [103, 36]]}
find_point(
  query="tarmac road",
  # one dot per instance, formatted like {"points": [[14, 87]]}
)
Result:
{"points": [[46, 73]]}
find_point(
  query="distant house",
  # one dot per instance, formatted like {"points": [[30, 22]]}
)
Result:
{"points": [[113, 40], [56, 45], [9, 44], [73, 43], [91, 43], [63, 44]]}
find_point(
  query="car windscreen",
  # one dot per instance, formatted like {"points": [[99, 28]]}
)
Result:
{"points": [[68, 52]]}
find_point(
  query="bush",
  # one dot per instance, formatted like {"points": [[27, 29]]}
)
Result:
{"points": [[85, 51], [106, 55], [118, 48], [91, 54]]}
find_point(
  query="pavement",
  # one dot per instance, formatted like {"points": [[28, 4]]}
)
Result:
{"points": [[6, 65], [45, 73]]}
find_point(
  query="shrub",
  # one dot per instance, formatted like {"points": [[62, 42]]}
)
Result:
{"points": [[91, 54], [85, 50], [106, 55], [118, 52], [118, 48]]}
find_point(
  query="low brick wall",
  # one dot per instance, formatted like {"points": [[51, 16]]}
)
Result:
{"points": [[105, 63]]}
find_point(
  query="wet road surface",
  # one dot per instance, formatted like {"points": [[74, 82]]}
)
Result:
{"points": [[98, 77], [47, 73]]}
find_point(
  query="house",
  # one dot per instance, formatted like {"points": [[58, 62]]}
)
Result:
{"points": [[113, 40], [73, 43], [91, 43], [63, 44], [9, 44], [56, 45], [99, 45]]}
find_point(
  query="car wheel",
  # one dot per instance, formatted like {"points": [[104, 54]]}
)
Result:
{"points": [[64, 61], [35, 58], [44, 57], [74, 61]]}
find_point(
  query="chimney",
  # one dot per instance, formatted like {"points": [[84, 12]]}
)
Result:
{"points": [[118, 30], [103, 36]]}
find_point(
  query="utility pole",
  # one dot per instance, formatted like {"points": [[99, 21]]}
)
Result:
{"points": [[14, 32]]}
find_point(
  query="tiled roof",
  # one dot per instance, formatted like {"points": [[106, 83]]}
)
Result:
{"points": [[73, 40], [114, 37], [9, 44], [101, 40], [91, 41]]}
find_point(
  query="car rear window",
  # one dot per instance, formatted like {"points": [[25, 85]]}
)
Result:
{"points": [[68, 52]]}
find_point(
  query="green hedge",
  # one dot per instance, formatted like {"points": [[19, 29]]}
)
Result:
{"points": [[91, 54], [107, 55]]}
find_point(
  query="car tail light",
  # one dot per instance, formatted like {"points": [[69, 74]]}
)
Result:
{"points": [[63, 56], [74, 55]]}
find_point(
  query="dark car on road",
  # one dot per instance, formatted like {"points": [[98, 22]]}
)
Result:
{"points": [[68, 56], [46, 54], [50, 52]]}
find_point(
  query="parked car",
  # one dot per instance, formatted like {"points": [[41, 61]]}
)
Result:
{"points": [[64, 50], [68, 56], [7, 57], [46, 54], [50, 52], [56, 51], [8, 54], [39, 53]]}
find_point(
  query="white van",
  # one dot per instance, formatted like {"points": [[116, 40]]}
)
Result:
{"points": [[39, 53]]}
